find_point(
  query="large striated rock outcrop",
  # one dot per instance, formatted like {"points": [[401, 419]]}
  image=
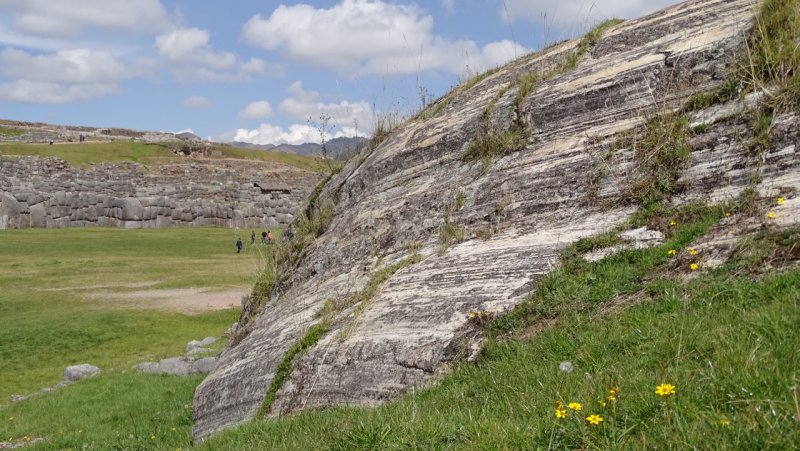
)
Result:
{"points": [[36, 192], [505, 222]]}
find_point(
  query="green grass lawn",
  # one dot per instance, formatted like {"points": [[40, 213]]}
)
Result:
{"points": [[84, 154], [48, 321]]}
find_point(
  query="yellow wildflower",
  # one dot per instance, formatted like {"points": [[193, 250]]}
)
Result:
{"points": [[602, 403], [727, 214], [673, 223], [694, 266], [771, 215], [780, 201], [152, 437], [576, 406], [665, 390], [672, 252], [561, 413], [174, 429], [594, 419], [724, 421], [471, 315], [693, 251], [613, 392]]}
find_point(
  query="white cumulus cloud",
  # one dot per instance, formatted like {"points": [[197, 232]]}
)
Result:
{"points": [[303, 104], [193, 58], [48, 18], [270, 134], [362, 37], [64, 76], [256, 110], [26, 91], [294, 134], [73, 66], [196, 102]]}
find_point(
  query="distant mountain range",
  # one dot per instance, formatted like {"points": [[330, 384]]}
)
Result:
{"points": [[338, 148]]}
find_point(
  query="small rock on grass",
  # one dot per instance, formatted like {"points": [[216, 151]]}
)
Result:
{"points": [[200, 343], [80, 372]]}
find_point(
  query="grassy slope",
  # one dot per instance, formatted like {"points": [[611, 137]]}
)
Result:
{"points": [[727, 343], [46, 323], [84, 154]]}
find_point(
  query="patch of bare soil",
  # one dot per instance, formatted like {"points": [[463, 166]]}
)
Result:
{"points": [[182, 300]]}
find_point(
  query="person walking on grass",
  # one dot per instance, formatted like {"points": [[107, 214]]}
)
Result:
{"points": [[238, 245], [269, 236], [253, 238], [263, 237]]}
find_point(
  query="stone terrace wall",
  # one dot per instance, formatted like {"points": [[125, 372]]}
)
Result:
{"points": [[48, 192]]}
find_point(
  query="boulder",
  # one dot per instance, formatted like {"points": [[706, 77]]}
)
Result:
{"points": [[80, 372], [174, 366]]}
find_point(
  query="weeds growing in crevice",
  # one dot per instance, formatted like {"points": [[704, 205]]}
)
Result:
{"points": [[588, 41], [438, 106], [284, 368], [327, 316], [702, 100], [769, 248], [491, 141], [661, 155], [762, 123], [772, 63], [451, 233]]}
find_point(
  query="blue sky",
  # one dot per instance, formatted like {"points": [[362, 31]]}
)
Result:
{"points": [[263, 71]]}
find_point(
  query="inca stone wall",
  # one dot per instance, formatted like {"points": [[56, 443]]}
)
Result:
{"points": [[48, 192], [516, 216]]}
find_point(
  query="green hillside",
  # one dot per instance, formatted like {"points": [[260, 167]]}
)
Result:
{"points": [[85, 154]]}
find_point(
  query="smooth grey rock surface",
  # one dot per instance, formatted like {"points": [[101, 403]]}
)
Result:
{"points": [[641, 238], [79, 372], [516, 218]]}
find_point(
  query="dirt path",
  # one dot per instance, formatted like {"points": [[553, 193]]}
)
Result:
{"points": [[182, 300]]}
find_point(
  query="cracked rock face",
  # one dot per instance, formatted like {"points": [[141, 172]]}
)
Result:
{"points": [[515, 219]]}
